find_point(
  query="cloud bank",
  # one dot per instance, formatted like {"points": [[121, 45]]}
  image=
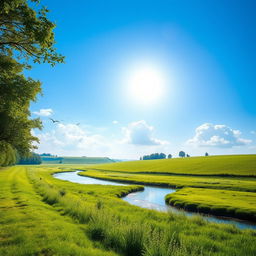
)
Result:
{"points": [[134, 140], [210, 135]]}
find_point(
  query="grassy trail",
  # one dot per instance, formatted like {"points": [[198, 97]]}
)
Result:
{"points": [[32, 227]]}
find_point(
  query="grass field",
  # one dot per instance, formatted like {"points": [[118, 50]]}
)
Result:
{"points": [[176, 181], [230, 165], [41, 215], [75, 160]]}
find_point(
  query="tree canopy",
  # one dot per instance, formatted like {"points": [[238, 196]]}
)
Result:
{"points": [[26, 32], [32, 158], [26, 36], [182, 154], [154, 156]]}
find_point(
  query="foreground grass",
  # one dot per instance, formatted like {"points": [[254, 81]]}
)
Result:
{"points": [[229, 165], [218, 202], [62, 214], [31, 227]]}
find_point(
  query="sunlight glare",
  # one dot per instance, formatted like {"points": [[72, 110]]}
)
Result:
{"points": [[146, 85]]}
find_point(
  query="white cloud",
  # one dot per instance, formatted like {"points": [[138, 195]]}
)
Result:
{"points": [[210, 135], [115, 122], [71, 140], [44, 112], [140, 133]]}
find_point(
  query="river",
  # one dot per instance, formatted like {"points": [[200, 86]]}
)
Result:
{"points": [[151, 197]]}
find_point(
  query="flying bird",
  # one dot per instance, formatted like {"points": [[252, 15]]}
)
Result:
{"points": [[54, 121]]}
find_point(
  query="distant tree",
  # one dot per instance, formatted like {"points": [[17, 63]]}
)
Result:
{"points": [[32, 158], [188, 155], [169, 156], [154, 156], [182, 154], [45, 154], [206, 154], [162, 156]]}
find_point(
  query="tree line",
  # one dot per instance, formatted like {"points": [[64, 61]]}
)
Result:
{"points": [[26, 37], [163, 156], [154, 156], [33, 158]]}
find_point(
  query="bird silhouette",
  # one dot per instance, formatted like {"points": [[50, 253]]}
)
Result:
{"points": [[54, 121]]}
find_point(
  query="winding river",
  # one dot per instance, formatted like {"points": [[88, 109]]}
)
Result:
{"points": [[151, 198]]}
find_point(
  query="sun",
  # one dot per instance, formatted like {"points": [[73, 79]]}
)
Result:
{"points": [[146, 85]]}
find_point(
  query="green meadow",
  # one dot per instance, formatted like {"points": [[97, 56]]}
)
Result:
{"points": [[175, 181], [41, 215], [228, 165]]}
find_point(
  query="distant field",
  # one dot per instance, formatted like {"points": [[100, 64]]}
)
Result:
{"points": [[231, 165], [75, 160]]}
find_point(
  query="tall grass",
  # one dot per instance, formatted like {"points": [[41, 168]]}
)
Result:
{"points": [[126, 237], [30, 227]]}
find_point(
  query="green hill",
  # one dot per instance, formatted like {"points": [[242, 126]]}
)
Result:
{"points": [[229, 165], [75, 160]]}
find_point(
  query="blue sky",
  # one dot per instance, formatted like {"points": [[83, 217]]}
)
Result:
{"points": [[202, 51]]}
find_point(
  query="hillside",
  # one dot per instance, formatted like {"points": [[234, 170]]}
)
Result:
{"points": [[229, 165], [75, 160]]}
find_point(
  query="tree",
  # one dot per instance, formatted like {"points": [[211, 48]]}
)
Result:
{"points": [[182, 154], [26, 32], [188, 155], [16, 93], [32, 158], [25, 35], [154, 156], [162, 156], [206, 154], [169, 156]]}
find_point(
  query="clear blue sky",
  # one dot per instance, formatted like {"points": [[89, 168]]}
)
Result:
{"points": [[203, 50]]}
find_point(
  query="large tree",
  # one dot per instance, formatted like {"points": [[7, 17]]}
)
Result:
{"points": [[26, 36]]}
